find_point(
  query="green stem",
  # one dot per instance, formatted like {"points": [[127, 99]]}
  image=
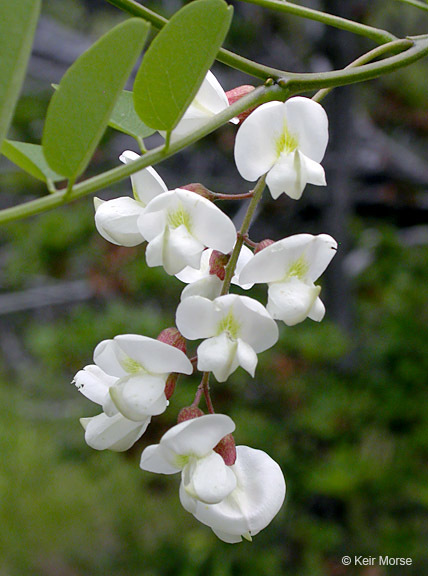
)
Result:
{"points": [[285, 87], [416, 4], [379, 36], [395, 47], [230, 268]]}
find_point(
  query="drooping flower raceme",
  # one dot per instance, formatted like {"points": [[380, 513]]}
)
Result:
{"points": [[209, 100], [286, 140], [202, 283], [109, 430], [251, 506], [128, 381], [179, 225], [236, 328], [188, 447], [290, 267], [117, 220]]}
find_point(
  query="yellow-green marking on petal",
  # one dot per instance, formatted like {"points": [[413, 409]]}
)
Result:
{"points": [[230, 325], [299, 268], [179, 217], [285, 142]]}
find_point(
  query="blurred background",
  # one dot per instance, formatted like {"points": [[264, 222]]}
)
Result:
{"points": [[341, 405]]}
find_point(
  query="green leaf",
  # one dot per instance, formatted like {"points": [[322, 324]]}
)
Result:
{"points": [[18, 20], [177, 61], [125, 119], [82, 105], [31, 159]]}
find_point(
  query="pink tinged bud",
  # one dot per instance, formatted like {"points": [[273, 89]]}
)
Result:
{"points": [[227, 449], [217, 263], [170, 383], [236, 94], [189, 413], [263, 244], [174, 338], [200, 189]]}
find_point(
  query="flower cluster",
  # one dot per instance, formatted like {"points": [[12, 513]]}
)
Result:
{"points": [[236, 491]]}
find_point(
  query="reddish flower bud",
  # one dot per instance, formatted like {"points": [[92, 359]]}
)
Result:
{"points": [[170, 383], [200, 189], [218, 261], [227, 449], [189, 413], [174, 338], [236, 94], [263, 244]]}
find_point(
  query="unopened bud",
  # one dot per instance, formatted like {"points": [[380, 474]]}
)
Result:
{"points": [[236, 94], [170, 383], [174, 338], [189, 413], [227, 449], [263, 244], [200, 189], [217, 263]]}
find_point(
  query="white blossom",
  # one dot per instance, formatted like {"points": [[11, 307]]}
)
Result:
{"points": [[236, 328], [209, 100], [110, 429], [290, 267], [179, 225], [128, 381], [188, 447], [117, 220], [202, 283], [287, 141], [251, 506]]}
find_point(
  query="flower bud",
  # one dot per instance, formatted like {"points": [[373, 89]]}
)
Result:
{"points": [[263, 244], [200, 189], [217, 263], [189, 413], [170, 383], [227, 449], [237, 93], [174, 338]]}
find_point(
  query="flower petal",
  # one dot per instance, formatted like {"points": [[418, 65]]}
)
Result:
{"points": [[257, 327], [93, 383], [219, 356], [317, 311], [307, 120], [180, 249], [155, 356], [288, 176], [208, 287], [208, 479], [252, 505], [256, 148], [209, 225], [146, 183], [246, 357], [196, 318], [113, 433], [199, 436], [291, 301], [106, 357], [189, 274], [153, 460], [319, 254], [139, 396], [116, 221]]}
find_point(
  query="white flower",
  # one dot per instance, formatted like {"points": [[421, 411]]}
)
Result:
{"points": [[188, 447], [106, 431], [203, 284], [141, 366], [209, 100], [116, 220], [290, 267], [236, 328], [251, 506], [179, 225], [286, 140]]}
